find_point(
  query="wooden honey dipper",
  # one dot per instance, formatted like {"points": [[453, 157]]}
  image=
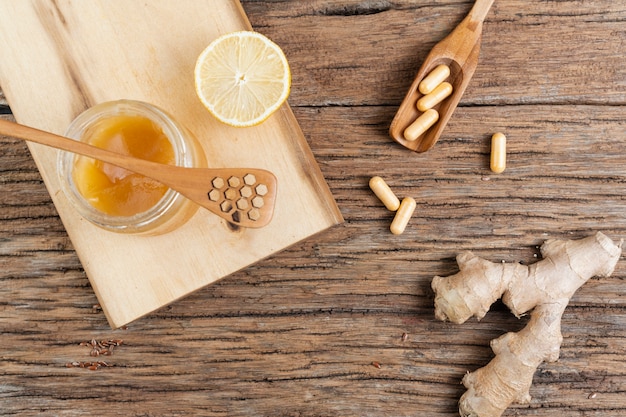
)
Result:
{"points": [[219, 190]]}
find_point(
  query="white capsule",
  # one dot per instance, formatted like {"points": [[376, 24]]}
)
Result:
{"points": [[403, 215], [384, 193], [421, 124], [440, 93], [434, 78], [497, 161]]}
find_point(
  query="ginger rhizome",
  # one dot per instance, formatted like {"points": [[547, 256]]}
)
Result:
{"points": [[544, 287]]}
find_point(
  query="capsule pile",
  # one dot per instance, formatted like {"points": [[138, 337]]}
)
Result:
{"points": [[434, 89]]}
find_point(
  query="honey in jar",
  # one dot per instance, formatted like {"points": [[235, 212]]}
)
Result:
{"points": [[116, 199], [117, 191]]}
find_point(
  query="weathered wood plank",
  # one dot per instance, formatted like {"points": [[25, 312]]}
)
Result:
{"points": [[363, 53], [297, 333]]}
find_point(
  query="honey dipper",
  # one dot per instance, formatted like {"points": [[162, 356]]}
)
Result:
{"points": [[242, 196]]}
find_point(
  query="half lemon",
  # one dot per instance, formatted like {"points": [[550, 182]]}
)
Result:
{"points": [[242, 78]]}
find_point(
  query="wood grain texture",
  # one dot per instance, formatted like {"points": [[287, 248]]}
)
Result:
{"points": [[68, 56], [297, 334]]}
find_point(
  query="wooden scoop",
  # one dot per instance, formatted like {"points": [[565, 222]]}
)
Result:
{"points": [[459, 51], [243, 196]]}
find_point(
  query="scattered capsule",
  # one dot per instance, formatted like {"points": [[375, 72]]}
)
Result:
{"points": [[498, 153], [434, 78], [384, 193], [403, 215], [440, 93], [421, 124]]}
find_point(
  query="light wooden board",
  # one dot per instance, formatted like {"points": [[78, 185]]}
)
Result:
{"points": [[58, 58]]}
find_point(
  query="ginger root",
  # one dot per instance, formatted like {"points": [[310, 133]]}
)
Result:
{"points": [[545, 287]]}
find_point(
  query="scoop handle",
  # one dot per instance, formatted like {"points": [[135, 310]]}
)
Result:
{"points": [[480, 10]]}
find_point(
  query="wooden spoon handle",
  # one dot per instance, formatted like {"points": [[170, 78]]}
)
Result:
{"points": [[480, 10], [50, 139]]}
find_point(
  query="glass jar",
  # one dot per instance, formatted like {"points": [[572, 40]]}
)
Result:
{"points": [[172, 210]]}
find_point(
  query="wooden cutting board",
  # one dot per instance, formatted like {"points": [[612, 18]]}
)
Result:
{"points": [[59, 57]]}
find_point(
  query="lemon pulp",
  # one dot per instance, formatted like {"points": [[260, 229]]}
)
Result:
{"points": [[242, 78]]}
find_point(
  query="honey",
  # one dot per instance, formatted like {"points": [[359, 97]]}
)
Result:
{"points": [[117, 191], [118, 200]]}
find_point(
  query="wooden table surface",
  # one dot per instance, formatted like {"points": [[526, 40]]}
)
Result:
{"points": [[317, 330]]}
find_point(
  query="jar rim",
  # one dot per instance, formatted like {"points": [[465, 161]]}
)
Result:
{"points": [[138, 222]]}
